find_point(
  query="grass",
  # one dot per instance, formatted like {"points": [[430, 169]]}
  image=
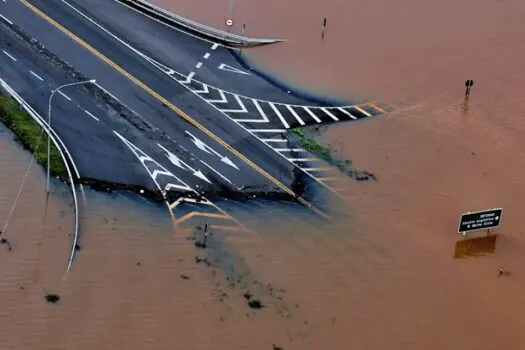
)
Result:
{"points": [[28, 132], [313, 147]]}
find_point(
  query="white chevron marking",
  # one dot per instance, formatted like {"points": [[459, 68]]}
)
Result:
{"points": [[312, 114], [204, 89], [329, 114], [242, 110], [222, 100], [295, 115]]}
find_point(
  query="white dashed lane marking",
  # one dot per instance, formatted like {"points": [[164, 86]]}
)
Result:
{"points": [[64, 95], [206, 56], [9, 55], [215, 46], [92, 116], [36, 75], [198, 65]]}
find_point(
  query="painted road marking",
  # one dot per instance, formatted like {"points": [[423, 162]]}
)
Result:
{"points": [[198, 65], [208, 215], [206, 56], [189, 77], [214, 46], [173, 107], [347, 113], [7, 20], [228, 68], [204, 147], [91, 115], [9, 55], [329, 114], [242, 110], [362, 111], [302, 159], [261, 112], [222, 100], [320, 169], [280, 116], [273, 140], [183, 165], [312, 114], [267, 130], [64, 95], [289, 150], [218, 173], [296, 116], [36, 75], [204, 89], [377, 107]]}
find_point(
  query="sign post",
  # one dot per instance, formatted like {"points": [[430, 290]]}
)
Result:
{"points": [[480, 220], [468, 84]]}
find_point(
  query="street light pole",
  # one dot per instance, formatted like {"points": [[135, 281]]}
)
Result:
{"points": [[91, 81]]}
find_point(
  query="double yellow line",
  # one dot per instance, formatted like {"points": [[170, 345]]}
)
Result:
{"points": [[171, 106]]}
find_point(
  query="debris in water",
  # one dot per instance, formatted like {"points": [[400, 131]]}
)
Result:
{"points": [[503, 272], [77, 247], [5, 241], [255, 304], [184, 277], [275, 347], [52, 298], [138, 263], [247, 296]]}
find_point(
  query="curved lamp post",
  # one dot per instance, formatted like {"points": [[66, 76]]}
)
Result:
{"points": [[91, 81]]}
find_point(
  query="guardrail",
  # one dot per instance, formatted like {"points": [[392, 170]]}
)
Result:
{"points": [[58, 143], [196, 28]]}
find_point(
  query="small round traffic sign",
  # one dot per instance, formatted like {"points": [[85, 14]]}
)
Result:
{"points": [[229, 22], [469, 83]]}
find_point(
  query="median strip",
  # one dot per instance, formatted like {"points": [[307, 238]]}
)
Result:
{"points": [[27, 133]]}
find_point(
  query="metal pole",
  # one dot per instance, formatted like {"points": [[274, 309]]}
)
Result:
{"points": [[92, 81], [230, 13]]}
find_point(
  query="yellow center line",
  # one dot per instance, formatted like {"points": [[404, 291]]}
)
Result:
{"points": [[171, 106]]}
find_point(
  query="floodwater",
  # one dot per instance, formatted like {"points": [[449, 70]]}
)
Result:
{"points": [[385, 277]]}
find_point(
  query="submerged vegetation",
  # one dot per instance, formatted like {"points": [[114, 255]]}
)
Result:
{"points": [[28, 132]]}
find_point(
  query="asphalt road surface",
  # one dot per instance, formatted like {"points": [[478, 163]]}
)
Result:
{"points": [[183, 108]]}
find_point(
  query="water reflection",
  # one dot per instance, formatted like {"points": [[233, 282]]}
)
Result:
{"points": [[475, 246]]}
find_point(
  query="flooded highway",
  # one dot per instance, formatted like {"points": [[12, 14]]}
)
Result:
{"points": [[387, 273]]}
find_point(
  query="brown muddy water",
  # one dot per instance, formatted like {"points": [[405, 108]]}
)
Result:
{"points": [[386, 277]]}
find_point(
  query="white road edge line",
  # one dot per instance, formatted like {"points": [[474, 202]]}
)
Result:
{"points": [[289, 150], [64, 95], [8, 55], [36, 75], [302, 159], [91, 115], [7, 20]]}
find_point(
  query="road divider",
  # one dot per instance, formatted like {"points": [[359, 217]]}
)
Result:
{"points": [[196, 29]]}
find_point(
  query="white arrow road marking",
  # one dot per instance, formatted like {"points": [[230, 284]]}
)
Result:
{"points": [[204, 147], [242, 110], [183, 165], [143, 157], [227, 68], [222, 100]]}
